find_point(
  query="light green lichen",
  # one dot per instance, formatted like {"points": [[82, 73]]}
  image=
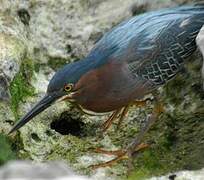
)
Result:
{"points": [[56, 63], [70, 148], [20, 87], [6, 152]]}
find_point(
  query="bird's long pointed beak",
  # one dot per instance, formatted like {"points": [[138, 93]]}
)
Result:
{"points": [[44, 103]]}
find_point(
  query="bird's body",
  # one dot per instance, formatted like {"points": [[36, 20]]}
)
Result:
{"points": [[136, 57], [131, 60]]}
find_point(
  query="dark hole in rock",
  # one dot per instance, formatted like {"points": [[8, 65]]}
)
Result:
{"points": [[67, 125], [24, 16], [11, 67], [49, 133], [69, 48], [172, 177], [35, 137], [9, 121]]}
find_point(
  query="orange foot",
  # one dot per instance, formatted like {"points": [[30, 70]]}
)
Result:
{"points": [[121, 113], [120, 155]]}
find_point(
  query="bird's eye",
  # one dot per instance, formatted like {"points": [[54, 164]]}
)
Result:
{"points": [[68, 87]]}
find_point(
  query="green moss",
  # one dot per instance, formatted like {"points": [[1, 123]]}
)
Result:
{"points": [[20, 87], [37, 66], [56, 63], [176, 143], [85, 3], [18, 147], [140, 174], [177, 84], [177, 137], [6, 152], [76, 147]]}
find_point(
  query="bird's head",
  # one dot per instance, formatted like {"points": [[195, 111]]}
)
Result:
{"points": [[61, 86]]}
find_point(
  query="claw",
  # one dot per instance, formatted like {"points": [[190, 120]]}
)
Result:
{"points": [[121, 155], [109, 163]]}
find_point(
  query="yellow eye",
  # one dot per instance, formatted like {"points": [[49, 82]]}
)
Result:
{"points": [[68, 87]]}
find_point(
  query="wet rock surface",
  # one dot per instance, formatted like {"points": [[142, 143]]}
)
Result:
{"points": [[37, 38], [183, 175], [57, 170], [13, 50], [27, 170]]}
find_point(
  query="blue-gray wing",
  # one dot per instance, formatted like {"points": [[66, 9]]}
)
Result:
{"points": [[160, 56], [154, 44]]}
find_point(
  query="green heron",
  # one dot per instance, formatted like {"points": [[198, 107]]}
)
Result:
{"points": [[130, 61]]}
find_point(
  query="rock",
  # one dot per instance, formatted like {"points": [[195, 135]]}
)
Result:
{"points": [[26, 170], [200, 43], [6, 117], [13, 48], [37, 138], [66, 30], [141, 6], [4, 91], [57, 170], [183, 175], [11, 56], [6, 152]]}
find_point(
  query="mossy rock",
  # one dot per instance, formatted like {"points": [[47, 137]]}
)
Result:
{"points": [[21, 87], [177, 137], [6, 152]]}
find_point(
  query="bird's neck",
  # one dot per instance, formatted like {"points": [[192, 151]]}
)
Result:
{"points": [[102, 89], [91, 62]]}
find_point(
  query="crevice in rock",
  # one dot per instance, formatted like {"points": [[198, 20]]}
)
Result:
{"points": [[35, 137], [66, 125], [68, 48], [24, 16]]}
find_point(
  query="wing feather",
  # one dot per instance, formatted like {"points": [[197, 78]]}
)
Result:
{"points": [[155, 44]]}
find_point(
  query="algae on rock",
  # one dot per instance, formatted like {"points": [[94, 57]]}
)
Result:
{"points": [[6, 152], [21, 87], [60, 32], [177, 137]]}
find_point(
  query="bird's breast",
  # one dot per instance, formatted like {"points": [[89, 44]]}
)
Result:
{"points": [[104, 89]]}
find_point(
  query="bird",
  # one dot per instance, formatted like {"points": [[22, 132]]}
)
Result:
{"points": [[130, 61]]}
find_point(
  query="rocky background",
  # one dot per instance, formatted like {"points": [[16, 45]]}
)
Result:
{"points": [[39, 36]]}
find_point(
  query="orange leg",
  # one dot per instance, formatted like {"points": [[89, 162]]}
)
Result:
{"points": [[115, 153], [109, 163], [120, 114], [136, 144], [126, 108], [110, 120]]}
